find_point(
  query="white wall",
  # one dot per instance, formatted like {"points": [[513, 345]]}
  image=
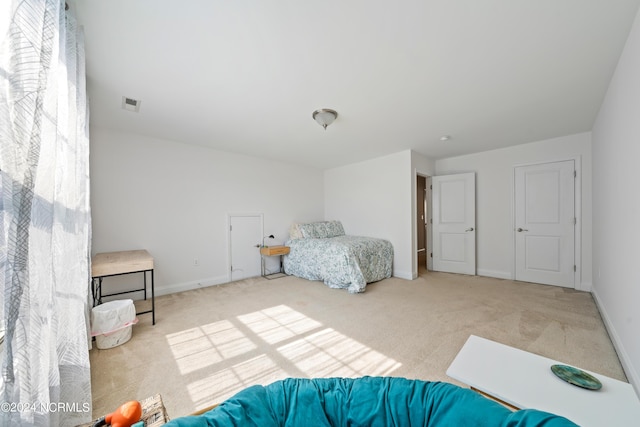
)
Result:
{"points": [[494, 198], [373, 198], [173, 200], [616, 235]]}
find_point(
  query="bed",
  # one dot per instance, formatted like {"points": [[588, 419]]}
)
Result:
{"points": [[322, 251]]}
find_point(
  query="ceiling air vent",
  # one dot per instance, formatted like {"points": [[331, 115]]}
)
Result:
{"points": [[131, 104]]}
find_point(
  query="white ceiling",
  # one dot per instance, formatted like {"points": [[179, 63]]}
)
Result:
{"points": [[245, 76]]}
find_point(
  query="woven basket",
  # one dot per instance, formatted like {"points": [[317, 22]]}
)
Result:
{"points": [[154, 413]]}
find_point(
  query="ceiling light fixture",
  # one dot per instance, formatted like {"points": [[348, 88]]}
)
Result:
{"points": [[324, 117], [445, 138]]}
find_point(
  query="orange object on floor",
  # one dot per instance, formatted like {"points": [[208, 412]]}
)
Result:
{"points": [[126, 415]]}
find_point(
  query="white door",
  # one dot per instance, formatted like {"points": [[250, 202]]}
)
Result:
{"points": [[454, 222], [245, 238], [545, 223]]}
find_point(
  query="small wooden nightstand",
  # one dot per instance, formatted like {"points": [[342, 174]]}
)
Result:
{"points": [[273, 251]]}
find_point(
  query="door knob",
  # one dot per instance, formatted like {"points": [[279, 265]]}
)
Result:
{"points": [[469, 229], [520, 230]]}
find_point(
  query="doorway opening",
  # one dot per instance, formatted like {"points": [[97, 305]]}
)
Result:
{"points": [[423, 223]]}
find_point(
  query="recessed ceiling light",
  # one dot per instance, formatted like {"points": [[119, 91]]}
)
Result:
{"points": [[445, 138], [130, 104]]}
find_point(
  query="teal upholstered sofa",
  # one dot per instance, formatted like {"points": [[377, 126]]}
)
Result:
{"points": [[367, 401]]}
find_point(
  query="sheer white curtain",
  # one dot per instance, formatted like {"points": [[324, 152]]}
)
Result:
{"points": [[45, 218]]}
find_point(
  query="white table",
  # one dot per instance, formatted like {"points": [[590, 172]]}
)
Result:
{"points": [[524, 380]]}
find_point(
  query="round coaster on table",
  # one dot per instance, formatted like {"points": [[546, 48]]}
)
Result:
{"points": [[576, 376]]}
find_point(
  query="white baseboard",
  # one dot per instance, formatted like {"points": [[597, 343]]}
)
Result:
{"points": [[188, 286], [584, 286], [494, 273], [407, 275], [625, 360], [213, 281]]}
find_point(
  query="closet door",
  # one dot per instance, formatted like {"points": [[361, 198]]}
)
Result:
{"points": [[545, 223], [245, 238]]}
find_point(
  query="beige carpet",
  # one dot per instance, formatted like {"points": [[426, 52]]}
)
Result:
{"points": [[209, 343]]}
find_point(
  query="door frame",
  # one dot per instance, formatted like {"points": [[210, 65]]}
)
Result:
{"points": [[428, 200], [421, 225], [229, 216], [429, 212], [577, 209]]}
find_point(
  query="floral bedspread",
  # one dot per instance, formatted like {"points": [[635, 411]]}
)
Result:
{"points": [[347, 262]]}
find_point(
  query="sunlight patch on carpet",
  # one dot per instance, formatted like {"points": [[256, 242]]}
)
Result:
{"points": [[264, 346], [276, 324], [224, 383], [328, 353], [206, 345]]}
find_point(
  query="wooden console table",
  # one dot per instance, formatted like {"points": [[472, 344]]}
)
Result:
{"points": [[273, 251], [524, 380], [110, 264]]}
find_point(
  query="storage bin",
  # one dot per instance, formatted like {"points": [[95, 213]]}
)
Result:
{"points": [[111, 323]]}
